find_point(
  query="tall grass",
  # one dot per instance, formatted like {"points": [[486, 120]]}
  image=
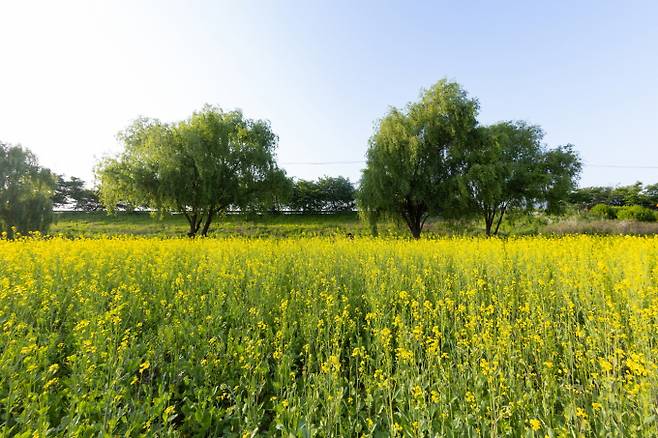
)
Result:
{"points": [[601, 227]]}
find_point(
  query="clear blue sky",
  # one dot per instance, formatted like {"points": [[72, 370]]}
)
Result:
{"points": [[72, 74]]}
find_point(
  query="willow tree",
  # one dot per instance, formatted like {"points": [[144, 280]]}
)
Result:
{"points": [[26, 192], [416, 156], [199, 167]]}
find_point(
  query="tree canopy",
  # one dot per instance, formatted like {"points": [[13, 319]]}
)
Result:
{"points": [[416, 155], [198, 167], [433, 158], [634, 194], [26, 191], [72, 193], [327, 194], [513, 169]]}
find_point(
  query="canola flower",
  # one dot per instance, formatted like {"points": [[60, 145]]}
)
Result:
{"points": [[329, 337]]}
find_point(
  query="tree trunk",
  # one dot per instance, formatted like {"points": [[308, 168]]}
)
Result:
{"points": [[206, 225], [195, 223], [415, 217], [191, 219], [415, 229], [500, 219], [488, 222]]}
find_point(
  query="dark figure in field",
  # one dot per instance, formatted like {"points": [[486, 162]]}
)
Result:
{"points": [[350, 236]]}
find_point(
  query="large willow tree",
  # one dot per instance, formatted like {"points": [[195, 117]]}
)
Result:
{"points": [[198, 167], [417, 155], [26, 191]]}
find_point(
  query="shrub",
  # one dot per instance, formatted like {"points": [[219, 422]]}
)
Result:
{"points": [[604, 211], [636, 213]]}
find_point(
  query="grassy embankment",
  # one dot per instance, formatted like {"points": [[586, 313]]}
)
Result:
{"points": [[96, 224], [81, 224]]}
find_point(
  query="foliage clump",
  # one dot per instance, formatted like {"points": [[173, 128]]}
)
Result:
{"points": [[636, 213], [604, 211]]}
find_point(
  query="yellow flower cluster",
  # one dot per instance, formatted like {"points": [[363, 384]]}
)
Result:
{"points": [[329, 337]]}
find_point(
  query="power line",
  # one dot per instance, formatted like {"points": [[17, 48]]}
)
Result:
{"points": [[620, 166], [323, 163], [320, 163]]}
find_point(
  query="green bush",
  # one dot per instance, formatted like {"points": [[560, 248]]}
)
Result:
{"points": [[604, 211], [636, 213]]}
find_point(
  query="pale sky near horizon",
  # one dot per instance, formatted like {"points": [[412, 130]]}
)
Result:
{"points": [[74, 73]]}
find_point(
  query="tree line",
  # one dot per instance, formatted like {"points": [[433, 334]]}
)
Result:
{"points": [[635, 202], [622, 196], [324, 195], [432, 158]]}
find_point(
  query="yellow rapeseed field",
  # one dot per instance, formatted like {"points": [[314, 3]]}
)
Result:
{"points": [[329, 337]]}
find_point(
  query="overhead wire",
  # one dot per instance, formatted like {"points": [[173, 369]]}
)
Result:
{"points": [[323, 163]]}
